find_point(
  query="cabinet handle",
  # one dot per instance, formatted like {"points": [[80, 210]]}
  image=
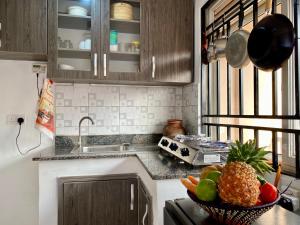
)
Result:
{"points": [[0, 34], [145, 215], [95, 64], [132, 197], [153, 67], [104, 65]]}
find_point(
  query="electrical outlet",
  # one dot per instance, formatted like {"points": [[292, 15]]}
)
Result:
{"points": [[39, 68], [12, 119]]}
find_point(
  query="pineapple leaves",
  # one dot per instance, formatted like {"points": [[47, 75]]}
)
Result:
{"points": [[250, 154]]}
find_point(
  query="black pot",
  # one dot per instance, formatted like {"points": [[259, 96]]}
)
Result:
{"points": [[271, 42]]}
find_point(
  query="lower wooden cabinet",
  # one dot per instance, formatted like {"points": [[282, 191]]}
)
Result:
{"points": [[103, 200], [145, 206]]}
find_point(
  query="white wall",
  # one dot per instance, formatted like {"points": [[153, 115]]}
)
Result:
{"points": [[18, 174]]}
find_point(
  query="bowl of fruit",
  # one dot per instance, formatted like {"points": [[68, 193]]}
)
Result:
{"points": [[237, 192]]}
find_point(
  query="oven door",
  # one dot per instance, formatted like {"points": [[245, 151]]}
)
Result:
{"points": [[173, 215], [185, 212]]}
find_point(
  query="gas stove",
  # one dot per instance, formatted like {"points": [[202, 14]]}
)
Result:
{"points": [[195, 151]]}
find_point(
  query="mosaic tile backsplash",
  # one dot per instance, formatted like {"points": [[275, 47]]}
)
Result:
{"points": [[190, 108], [116, 109]]}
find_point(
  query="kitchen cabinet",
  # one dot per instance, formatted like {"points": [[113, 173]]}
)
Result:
{"points": [[98, 63], [172, 40], [163, 30], [23, 29], [74, 41], [122, 62], [145, 206], [108, 200]]}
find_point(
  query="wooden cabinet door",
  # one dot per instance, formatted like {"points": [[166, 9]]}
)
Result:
{"points": [[145, 206], [103, 202], [23, 26], [172, 40]]}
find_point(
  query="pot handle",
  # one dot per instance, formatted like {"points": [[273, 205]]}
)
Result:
{"points": [[241, 16], [268, 9], [223, 29]]}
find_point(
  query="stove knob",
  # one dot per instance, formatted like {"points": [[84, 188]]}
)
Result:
{"points": [[164, 143], [173, 146], [185, 152]]}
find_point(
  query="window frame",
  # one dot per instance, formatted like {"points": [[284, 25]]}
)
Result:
{"points": [[291, 9]]}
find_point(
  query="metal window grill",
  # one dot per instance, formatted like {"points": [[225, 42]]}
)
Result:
{"points": [[206, 98]]}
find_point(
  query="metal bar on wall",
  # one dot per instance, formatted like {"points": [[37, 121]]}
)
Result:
{"points": [[218, 94], [274, 150], [283, 130], [230, 14], [208, 90], [241, 135], [297, 103], [228, 133], [208, 97], [274, 99], [228, 79], [297, 146], [297, 86], [255, 75], [241, 91], [228, 88], [256, 136], [254, 117]]}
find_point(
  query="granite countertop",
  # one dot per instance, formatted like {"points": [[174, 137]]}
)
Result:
{"points": [[159, 166]]}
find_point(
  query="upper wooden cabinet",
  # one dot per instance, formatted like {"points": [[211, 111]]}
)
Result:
{"points": [[74, 41], [23, 32], [123, 61], [162, 29], [171, 40]]}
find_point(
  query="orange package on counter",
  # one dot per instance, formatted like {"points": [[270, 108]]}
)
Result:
{"points": [[45, 117]]}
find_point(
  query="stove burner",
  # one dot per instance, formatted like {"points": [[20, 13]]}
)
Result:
{"points": [[173, 146], [191, 152]]}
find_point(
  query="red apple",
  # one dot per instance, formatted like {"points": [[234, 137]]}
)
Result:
{"points": [[268, 193]]}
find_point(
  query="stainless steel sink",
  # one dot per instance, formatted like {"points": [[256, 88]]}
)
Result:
{"points": [[104, 148], [98, 149]]}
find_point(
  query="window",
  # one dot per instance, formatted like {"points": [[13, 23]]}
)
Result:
{"points": [[249, 103]]}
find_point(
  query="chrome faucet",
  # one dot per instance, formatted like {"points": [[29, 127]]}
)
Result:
{"points": [[80, 122]]}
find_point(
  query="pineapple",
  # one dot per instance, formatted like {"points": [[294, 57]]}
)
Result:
{"points": [[238, 184]]}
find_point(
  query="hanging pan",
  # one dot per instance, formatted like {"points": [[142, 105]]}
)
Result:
{"points": [[271, 41], [236, 47]]}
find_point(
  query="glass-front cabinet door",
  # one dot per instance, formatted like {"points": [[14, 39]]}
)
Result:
{"points": [[125, 51], [74, 45], [98, 40]]}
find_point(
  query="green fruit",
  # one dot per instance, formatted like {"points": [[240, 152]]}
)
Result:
{"points": [[206, 190], [214, 176]]}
